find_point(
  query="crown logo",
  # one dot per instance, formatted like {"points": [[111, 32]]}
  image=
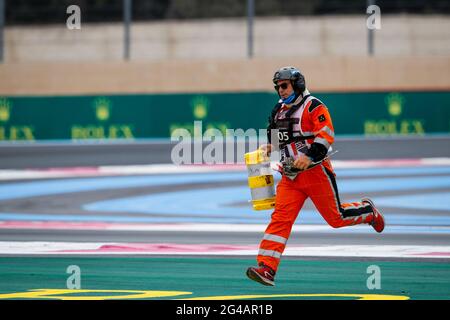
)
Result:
{"points": [[102, 108], [200, 107], [5, 109], [395, 103]]}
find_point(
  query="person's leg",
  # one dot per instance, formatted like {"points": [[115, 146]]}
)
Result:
{"points": [[322, 189], [288, 202]]}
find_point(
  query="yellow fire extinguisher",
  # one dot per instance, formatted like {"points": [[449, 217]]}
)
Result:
{"points": [[260, 180]]}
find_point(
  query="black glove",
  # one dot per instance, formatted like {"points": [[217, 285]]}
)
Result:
{"points": [[317, 152]]}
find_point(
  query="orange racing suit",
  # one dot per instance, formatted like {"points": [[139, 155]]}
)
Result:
{"points": [[305, 126]]}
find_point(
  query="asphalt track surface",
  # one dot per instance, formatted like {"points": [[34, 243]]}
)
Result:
{"points": [[62, 154], [76, 210]]}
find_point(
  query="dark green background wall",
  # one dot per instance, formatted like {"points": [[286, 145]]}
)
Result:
{"points": [[156, 115]]}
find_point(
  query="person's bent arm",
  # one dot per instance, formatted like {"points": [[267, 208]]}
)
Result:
{"points": [[323, 131]]}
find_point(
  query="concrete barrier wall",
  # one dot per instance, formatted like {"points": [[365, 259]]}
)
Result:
{"points": [[324, 74], [400, 35], [412, 53]]}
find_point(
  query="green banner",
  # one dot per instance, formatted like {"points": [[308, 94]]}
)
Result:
{"points": [[157, 115]]}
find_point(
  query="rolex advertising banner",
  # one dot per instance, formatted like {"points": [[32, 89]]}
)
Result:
{"points": [[158, 115]]}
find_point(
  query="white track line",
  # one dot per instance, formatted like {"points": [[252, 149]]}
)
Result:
{"points": [[181, 227], [93, 248], [51, 173], [206, 227]]}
